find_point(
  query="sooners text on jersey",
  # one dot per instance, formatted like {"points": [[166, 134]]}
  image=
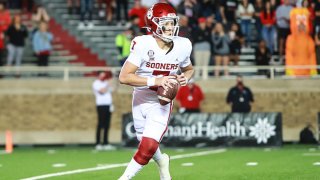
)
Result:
{"points": [[152, 61]]}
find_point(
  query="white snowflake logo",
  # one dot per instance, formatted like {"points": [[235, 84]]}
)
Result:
{"points": [[262, 130]]}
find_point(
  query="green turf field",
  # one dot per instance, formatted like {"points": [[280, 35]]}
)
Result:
{"points": [[289, 162]]}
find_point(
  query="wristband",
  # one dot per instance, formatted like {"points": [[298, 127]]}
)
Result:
{"points": [[151, 81]]}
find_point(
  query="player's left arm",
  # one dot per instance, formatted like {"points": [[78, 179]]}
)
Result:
{"points": [[185, 76]]}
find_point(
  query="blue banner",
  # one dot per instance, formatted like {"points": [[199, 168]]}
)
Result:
{"points": [[215, 129]]}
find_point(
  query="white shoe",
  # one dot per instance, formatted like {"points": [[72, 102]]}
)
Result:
{"points": [[102, 13], [99, 147], [128, 24], [81, 26], [123, 178], [164, 165], [108, 147], [90, 25]]}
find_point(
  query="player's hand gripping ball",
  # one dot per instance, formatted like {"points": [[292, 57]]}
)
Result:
{"points": [[166, 97]]}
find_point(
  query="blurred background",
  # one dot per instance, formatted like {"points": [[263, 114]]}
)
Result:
{"points": [[51, 52]]}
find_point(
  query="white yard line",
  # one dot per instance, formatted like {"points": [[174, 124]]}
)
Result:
{"points": [[316, 164], [77, 171], [311, 154], [187, 164], [251, 163], [3, 152], [202, 153]]}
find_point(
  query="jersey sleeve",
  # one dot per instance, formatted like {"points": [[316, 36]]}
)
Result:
{"points": [[135, 56], [95, 86], [187, 53]]}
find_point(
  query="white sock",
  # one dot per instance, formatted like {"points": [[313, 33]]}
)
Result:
{"points": [[157, 155], [132, 169]]}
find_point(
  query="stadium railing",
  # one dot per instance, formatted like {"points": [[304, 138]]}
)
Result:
{"points": [[207, 72]]}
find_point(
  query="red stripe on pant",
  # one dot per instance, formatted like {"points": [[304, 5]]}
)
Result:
{"points": [[146, 150]]}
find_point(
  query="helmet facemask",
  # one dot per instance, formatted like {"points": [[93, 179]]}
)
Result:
{"points": [[167, 27]]}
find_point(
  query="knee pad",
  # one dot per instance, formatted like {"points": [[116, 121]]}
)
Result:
{"points": [[146, 150]]}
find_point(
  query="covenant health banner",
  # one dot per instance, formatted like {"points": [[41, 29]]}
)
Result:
{"points": [[214, 129]]}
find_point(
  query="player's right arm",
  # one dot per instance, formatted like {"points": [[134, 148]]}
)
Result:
{"points": [[128, 76]]}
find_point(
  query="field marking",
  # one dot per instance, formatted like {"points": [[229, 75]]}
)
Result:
{"points": [[187, 164], [267, 149], [99, 165], [251, 163], [311, 154], [57, 165], [3, 152], [77, 171], [51, 151], [316, 164]]}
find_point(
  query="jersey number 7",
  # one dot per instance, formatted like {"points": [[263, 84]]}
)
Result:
{"points": [[156, 73]]}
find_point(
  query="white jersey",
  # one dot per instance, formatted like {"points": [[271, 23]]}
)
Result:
{"points": [[102, 99], [151, 118], [152, 61]]}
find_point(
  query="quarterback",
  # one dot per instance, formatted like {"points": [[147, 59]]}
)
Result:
{"points": [[154, 61]]}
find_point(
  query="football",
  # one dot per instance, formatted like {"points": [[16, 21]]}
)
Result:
{"points": [[166, 97]]}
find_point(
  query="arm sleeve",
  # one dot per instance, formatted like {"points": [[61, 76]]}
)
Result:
{"points": [[120, 50], [215, 39], [194, 35], [25, 32], [35, 43], [135, 56], [6, 22], [119, 41], [227, 38], [250, 8], [188, 48], [229, 97], [8, 32], [96, 87], [257, 57], [273, 17], [251, 95], [50, 36], [262, 18], [109, 86], [278, 14]]}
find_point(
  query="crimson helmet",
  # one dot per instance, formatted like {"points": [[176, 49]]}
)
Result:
{"points": [[157, 17]]}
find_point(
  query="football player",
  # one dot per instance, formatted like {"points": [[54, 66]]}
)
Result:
{"points": [[155, 60]]}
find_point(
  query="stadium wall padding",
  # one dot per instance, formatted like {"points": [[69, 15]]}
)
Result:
{"points": [[214, 129], [54, 112]]}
